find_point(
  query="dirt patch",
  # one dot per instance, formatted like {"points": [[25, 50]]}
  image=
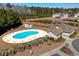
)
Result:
{"points": [[44, 18], [38, 50]]}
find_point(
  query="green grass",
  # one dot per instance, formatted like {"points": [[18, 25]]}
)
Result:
{"points": [[43, 21], [73, 23], [70, 20]]}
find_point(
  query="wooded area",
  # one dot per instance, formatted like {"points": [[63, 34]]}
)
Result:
{"points": [[11, 19]]}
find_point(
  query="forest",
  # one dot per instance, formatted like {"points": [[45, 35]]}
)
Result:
{"points": [[10, 18]]}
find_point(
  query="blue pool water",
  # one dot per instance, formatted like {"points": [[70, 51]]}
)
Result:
{"points": [[25, 34]]}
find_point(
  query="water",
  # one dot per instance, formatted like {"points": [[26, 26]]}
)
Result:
{"points": [[25, 34]]}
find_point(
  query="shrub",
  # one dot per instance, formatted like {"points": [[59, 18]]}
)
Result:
{"points": [[29, 46], [51, 38], [45, 40], [60, 39], [73, 34], [4, 53], [35, 44], [71, 20], [0, 53], [72, 23], [11, 51], [20, 47]]}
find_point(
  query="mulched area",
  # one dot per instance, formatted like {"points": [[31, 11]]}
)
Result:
{"points": [[40, 49], [66, 50]]}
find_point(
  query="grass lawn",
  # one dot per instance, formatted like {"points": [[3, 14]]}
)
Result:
{"points": [[43, 21]]}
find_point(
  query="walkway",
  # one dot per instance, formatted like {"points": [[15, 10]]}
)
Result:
{"points": [[61, 53], [54, 50], [57, 50], [69, 42]]}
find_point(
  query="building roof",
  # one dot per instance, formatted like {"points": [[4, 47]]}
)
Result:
{"points": [[57, 28], [56, 15]]}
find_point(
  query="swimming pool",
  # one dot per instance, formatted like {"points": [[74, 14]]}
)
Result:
{"points": [[24, 36]]}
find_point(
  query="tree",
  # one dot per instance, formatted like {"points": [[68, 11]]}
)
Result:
{"points": [[8, 19], [9, 5], [11, 51]]}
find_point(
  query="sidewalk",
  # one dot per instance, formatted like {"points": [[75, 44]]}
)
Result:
{"points": [[69, 41], [54, 50], [57, 50]]}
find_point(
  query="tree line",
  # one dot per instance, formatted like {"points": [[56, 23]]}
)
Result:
{"points": [[8, 20], [45, 11], [11, 19]]}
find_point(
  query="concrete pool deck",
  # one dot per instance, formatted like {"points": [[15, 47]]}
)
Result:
{"points": [[9, 37]]}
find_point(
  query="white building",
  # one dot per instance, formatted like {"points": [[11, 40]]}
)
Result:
{"points": [[61, 15], [56, 15], [55, 32], [58, 30], [65, 16], [50, 34], [76, 15], [27, 26]]}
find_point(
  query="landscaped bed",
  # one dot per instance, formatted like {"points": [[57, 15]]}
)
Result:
{"points": [[66, 50], [36, 47], [72, 23], [41, 47]]}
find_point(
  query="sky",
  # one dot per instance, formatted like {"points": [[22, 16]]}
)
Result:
{"points": [[64, 5]]}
